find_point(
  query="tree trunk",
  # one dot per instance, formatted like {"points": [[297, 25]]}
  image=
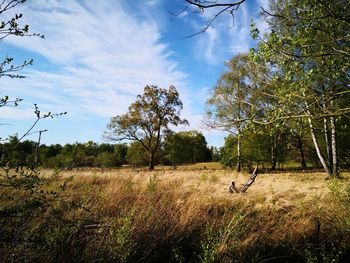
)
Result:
{"points": [[273, 154], [314, 140], [301, 150], [151, 166], [327, 142], [238, 166], [173, 161], [151, 161], [326, 134], [317, 148], [335, 166]]}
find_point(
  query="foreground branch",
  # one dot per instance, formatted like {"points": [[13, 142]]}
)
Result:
{"points": [[227, 6]]}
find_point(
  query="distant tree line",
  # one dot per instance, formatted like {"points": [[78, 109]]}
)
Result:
{"points": [[177, 148], [281, 150]]}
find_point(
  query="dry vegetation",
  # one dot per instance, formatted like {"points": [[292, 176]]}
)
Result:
{"points": [[184, 216]]}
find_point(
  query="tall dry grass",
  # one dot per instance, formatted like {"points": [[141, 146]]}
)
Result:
{"points": [[182, 216]]}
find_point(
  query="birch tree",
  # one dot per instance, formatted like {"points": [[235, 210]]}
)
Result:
{"points": [[309, 46], [230, 106]]}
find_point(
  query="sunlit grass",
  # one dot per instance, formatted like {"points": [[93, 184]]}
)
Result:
{"points": [[127, 215]]}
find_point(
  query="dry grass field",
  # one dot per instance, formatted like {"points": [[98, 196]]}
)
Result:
{"points": [[184, 215], [277, 189]]}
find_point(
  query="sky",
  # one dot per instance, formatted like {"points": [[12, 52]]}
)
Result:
{"points": [[97, 56]]}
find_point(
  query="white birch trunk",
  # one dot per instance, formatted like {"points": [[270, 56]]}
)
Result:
{"points": [[335, 165]]}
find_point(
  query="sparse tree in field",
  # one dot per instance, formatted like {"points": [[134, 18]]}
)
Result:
{"points": [[148, 119]]}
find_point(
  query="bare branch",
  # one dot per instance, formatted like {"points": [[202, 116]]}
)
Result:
{"points": [[229, 6]]}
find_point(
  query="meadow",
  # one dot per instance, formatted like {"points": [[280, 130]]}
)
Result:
{"points": [[183, 215]]}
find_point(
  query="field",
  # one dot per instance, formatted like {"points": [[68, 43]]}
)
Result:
{"points": [[183, 215]]}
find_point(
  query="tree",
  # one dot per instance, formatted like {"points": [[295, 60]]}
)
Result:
{"points": [[308, 47], [298, 131], [230, 107], [174, 148], [255, 148], [148, 119]]}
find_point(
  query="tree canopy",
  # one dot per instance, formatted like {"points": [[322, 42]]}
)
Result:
{"points": [[148, 119], [300, 75]]}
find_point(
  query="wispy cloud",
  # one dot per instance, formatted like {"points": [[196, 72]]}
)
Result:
{"points": [[98, 55], [104, 56], [16, 114], [227, 36], [210, 46]]}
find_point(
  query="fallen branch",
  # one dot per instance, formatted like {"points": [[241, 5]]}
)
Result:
{"points": [[244, 188]]}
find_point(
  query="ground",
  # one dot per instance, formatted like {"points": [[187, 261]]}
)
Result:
{"points": [[185, 215]]}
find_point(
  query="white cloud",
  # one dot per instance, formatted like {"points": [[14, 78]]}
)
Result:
{"points": [[104, 56], [101, 55], [240, 33], [227, 36], [210, 50], [11, 113]]}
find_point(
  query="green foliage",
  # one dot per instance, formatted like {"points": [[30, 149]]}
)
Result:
{"points": [[188, 147], [56, 235], [256, 148], [209, 247], [341, 193], [122, 246], [185, 147], [88, 154], [306, 53], [148, 119], [136, 155], [177, 257], [323, 253], [224, 240], [344, 146], [229, 107], [299, 72], [152, 185]]}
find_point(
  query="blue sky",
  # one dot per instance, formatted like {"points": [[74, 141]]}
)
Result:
{"points": [[98, 55]]}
